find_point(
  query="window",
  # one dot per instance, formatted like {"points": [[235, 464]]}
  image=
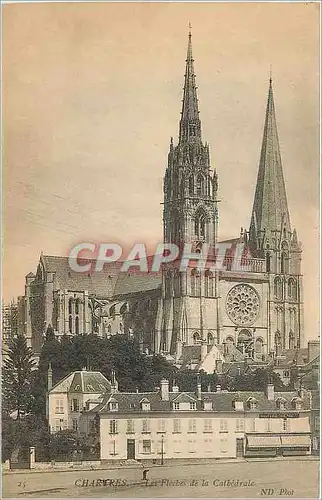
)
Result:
{"points": [[200, 185], [208, 445], [59, 408], [252, 404], [77, 325], [176, 425], [192, 427], [176, 406], [192, 448], [176, 446], [209, 284], [74, 405], [291, 288], [112, 447], [145, 406], [113, 427], [281, 404], [193, 406], [223, 425], [113, 406], [223, 445], [130, 426], [161, 425], [75, 424], [268, 425], [286, 424], [70, 306], [191, 185], [239, 424], [77, 306], [278, 288], [196, 338], [145, 426], [70, 324], [253, 425], [207, 425], [146, 448], [286, 373]]}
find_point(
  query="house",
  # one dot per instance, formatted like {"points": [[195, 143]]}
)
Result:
{"points": [[169, 424], [70, 396]]}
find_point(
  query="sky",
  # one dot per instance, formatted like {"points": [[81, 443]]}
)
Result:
{"points": [[92, 94]]}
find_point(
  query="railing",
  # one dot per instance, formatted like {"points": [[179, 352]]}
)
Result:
{"points": [[243, 265]]}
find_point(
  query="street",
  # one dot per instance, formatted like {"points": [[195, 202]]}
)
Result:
{"points": [[273, 479]]}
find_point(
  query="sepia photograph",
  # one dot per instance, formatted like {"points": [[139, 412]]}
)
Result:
{"points": [[161, 249]]}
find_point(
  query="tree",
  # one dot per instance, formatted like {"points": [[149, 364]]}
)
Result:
{"points": [[50, 334], [17, 374]]}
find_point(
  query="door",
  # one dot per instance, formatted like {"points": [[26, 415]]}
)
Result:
{"points": [[239, 447], [131, 449]]}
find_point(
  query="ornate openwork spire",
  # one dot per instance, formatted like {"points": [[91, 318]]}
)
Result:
{"points": [[270, 210], [190, 126]]}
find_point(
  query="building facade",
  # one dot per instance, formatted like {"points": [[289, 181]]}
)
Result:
{"points": [[170, 424], [249, 294]]}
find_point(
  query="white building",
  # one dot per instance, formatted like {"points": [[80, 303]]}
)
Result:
{"points": [[68, 398], [168, 424]]}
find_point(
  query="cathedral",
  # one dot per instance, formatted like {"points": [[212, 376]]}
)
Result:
{"points": [[253, 309]]}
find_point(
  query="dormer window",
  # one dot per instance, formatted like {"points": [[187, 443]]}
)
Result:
{"points": [[176, 406], [252, 404], [297, 403], [281, 404], [145, 405], [239, 405], [193, 406], [113, 405]]}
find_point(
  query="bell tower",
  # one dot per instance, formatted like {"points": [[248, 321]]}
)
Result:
{"points": [[189, 217], [273, 239]]}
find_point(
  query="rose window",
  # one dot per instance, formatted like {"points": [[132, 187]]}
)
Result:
{"points": [[243, 305]]}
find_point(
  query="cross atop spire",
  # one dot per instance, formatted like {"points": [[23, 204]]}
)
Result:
{"points": [[190, 126], [270, 210]]}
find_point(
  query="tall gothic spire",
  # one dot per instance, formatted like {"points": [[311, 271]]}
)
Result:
{"points": [[270, 210], [190, 126]]}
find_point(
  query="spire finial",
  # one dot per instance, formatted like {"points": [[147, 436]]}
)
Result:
{"points": [[270, 74], [190, 28]]}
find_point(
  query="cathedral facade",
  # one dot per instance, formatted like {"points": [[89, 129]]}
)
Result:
{"points": [[252, 304]]}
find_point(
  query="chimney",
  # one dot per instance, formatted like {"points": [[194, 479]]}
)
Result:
{"points": [[114, 383], [218, 388], [313, 349], [270, 392], [49, 377], [198, 393], [219, 364], [164, 389], [175, 388]]}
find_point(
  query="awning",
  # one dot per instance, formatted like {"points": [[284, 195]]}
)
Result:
{"points": [[296, 441], [263, 441]]}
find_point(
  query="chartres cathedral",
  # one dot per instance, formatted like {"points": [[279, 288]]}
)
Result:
{"points": [[246, 307]]}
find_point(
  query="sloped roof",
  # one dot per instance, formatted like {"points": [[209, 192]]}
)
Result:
{"points": [[83, 382], [221, 401], [109, 282]]}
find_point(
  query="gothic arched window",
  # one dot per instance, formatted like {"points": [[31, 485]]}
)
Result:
{"points": [[284, 263], [191, 185], [196, 338], [200, 225], [210, 338], [291, 340], [292, 292], [278, 340], [259, 345], [200, 185], [278, 288], [70, 306], [268, 262], [70, 324], [195, 282], [112, 312], [209, 284], [77, 306], [77, 325]]}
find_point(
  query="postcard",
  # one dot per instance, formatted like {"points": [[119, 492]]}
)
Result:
{"points": [[160, 292]]}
